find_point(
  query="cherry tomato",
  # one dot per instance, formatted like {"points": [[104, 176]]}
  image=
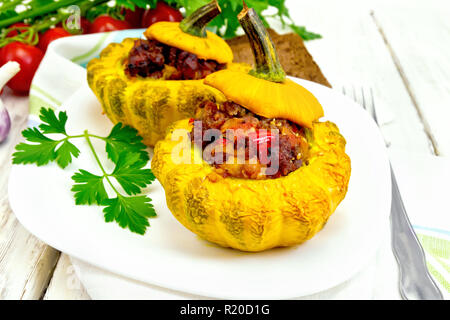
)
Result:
{"points": [[106, 23], [133, 17], [51, 35], [14, 33], [162, 12], [85, 25], [28, 57]]}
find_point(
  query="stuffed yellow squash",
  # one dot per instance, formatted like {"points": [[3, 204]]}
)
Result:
{"points": [[150, 83], [259, 170]]}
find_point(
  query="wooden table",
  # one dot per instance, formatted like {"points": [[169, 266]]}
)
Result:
{"points": [[400, 49]]}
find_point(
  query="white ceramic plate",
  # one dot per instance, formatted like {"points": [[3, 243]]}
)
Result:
{"points": [[172, 257]]}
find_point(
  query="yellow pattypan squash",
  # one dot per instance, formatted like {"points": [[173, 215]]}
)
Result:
{"points": [[249, 214]]}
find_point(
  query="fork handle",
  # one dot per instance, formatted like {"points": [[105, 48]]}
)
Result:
{"points": [[416, 282]]}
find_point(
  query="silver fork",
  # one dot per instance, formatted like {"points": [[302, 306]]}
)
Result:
{"points": [[416, 282]]}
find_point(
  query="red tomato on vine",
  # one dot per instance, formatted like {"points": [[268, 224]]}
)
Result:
{"points": [[162, 12], [14, 33], [51, 35], [106, 23], [28, 57], [133, 17]]}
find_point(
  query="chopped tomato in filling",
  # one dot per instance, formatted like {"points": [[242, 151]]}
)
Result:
{"points": [[242, 144], [153, 59]]}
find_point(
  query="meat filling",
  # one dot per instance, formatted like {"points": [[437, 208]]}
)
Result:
{"points": [[153, 59], [271, 147]]}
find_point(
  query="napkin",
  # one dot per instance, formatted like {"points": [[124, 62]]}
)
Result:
{"points": [[422, 179]]}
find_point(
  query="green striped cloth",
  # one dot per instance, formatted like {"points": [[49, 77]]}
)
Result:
{"points": [[438, 257]]}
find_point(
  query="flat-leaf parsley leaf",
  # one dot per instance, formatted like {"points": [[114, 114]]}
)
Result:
{"points": [[125, 149], [130, 212], [88, 188], [124, 138], [130, 174]]}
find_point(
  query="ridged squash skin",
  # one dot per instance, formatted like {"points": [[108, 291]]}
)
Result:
{"points": [[256, 215], [146, 104]]}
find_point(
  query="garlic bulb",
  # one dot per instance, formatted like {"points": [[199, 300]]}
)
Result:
{"points": [[7, 71]]}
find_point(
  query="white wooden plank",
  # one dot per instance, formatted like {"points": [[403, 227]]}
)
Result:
{"points": [[353, 53], [65, 284], [419, 37], [26, 264]]}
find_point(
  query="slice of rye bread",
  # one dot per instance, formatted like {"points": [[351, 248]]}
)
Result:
{"points": [[294, 57]]}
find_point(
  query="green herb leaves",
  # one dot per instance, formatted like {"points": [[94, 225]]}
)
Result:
{"points": [[227, 24], [123, 147], [88, 188], [132, 4], [130, 212], [130, 174], [305, 34], [124, 137], [53, 124], [44, 149]]}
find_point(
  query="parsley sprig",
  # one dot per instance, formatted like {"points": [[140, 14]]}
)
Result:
{"points": [[123, 147]]}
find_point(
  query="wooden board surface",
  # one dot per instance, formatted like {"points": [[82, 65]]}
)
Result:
{"points": [[422, 56], [65, 284], [398, 49], [353, 54], [293, 55]]}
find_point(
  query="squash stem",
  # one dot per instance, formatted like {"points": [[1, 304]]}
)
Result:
{"points": [[196, 23], [267, 65]]}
